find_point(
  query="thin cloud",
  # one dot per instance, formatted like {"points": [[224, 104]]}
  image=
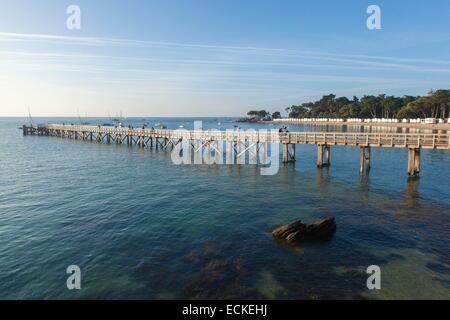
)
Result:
{"points": [[360, 65], [281, 52]]}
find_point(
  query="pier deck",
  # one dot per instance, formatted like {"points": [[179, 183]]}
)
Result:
{"points": [[164, 138]]}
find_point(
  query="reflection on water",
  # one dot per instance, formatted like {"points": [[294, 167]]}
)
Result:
{"points": [[412, 195], [141, 227]]}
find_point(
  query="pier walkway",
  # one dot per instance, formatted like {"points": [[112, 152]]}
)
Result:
{"points": [[249, 140]]}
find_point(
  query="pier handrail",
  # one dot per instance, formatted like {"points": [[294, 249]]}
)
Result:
{"points": [[378, 139]]}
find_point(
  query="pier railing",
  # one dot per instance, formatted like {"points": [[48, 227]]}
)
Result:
{"points": [[248, 140], [391, 140]]}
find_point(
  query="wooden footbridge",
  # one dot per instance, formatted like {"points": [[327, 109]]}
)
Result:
{"points": [[249, 140]]}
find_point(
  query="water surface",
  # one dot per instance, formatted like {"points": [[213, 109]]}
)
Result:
{"points": [[141, 227]]}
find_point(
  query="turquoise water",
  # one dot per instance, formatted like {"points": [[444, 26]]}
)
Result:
{"points": [[141, 227]]}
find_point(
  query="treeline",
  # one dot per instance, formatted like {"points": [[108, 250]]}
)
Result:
{"points": [[259, 115], [435, 105]]}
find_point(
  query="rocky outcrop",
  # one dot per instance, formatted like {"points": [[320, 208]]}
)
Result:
{"points": [[298, 231]]}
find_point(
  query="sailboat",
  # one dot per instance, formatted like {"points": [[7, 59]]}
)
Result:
{"points": [[118, 121], [79, 119], [29, 118]]}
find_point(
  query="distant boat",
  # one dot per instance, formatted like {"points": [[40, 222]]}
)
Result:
{"points": [[219, 123], [181, 126], [160, 126], [120, 118], [79, 119]]}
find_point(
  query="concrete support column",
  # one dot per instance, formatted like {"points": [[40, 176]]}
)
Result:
{"points": [[413, 161]]}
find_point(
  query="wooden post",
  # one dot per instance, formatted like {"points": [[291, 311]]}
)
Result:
{"points": [[292, 153], [323, 150], [413, 161], [361, 160], [319, 156], [285, 153], [364, 160], [327, 156], [417, 161]]}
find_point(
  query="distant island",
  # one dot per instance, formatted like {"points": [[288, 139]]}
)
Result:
{"points": [[259, 116]]}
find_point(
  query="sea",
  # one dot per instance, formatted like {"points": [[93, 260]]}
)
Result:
{"points": [[139, 226]]}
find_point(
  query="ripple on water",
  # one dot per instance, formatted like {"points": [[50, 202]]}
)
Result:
{"points": [[141, 227]]}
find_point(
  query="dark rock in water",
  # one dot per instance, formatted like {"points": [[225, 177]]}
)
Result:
{"points": [[250, 120], [301, 232]]}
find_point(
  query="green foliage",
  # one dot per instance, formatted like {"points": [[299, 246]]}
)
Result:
{"points": [[436, 104], [261, 114], [276, 115]]}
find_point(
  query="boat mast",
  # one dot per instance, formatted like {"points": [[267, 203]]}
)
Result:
{"points": [[30, 118]]}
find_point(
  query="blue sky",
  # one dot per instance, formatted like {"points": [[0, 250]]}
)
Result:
{"points": [[216, 57]]}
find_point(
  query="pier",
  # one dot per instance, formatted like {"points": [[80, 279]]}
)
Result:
{"points": [[253, 141]]}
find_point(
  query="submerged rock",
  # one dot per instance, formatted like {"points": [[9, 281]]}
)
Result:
{"points": [[301, 232]]}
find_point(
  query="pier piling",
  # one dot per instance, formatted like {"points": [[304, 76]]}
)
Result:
{"points": [[323, 155], [254, 143], [288, 155], [413, 162], [364, 160]]}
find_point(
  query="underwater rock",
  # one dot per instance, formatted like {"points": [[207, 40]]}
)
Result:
{"points": [[301, 232]]}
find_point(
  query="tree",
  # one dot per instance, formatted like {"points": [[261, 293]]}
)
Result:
{"points": [[435, 104], [261, 114], [391, 105], [276, 115], [300, 111], [442, 100], [369, 106]]}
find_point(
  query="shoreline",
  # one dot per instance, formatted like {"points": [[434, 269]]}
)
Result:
{"points": [[427, 126]]}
